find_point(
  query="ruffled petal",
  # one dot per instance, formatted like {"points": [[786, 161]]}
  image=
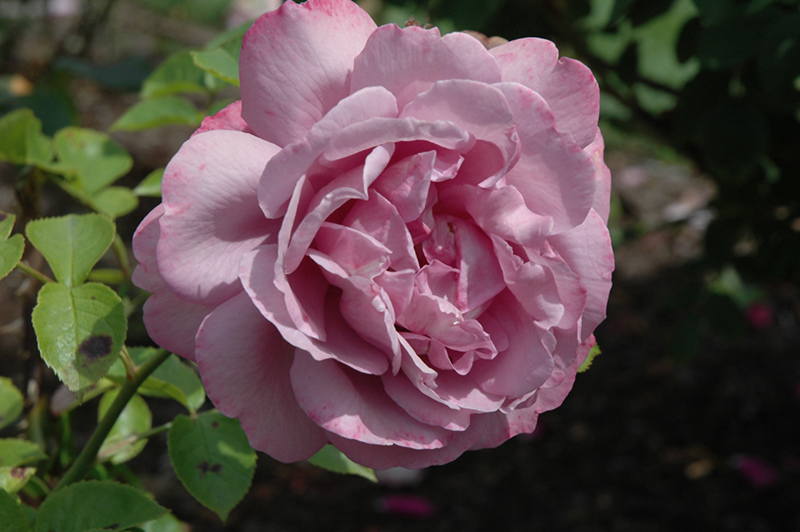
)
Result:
{"points": [[211, 215], [295, 65], [355, 406], [244, 364], [408, 61], [567, 85], [555, 177], [229, 118]]}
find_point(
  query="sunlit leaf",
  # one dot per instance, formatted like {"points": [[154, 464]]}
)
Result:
{"points": [[593, 352], [218, 62], [151, 184], [80, 331], [72, 244], [90, 157], [13, 479], [212, 459], [11, 251], [115, 201], [15, 452], [176, 75], [332, 459], [135, 419]]}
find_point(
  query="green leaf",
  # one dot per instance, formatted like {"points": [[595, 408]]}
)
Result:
{"points": [[96, 504], [157, 112], [593, 352], [15, 452], [176, 75], [165, 523], [13, 479], [80, 331], [11, 401], [91, 157], [12, 517], [107, 276], [212, 459], [173, 379], [135, 419], [72, 244], [6, 224], [115, 201], [11, 251], [332, 459], [21, 139], [150, 185], [219, 63]]}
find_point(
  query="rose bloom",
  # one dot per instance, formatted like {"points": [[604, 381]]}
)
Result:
{"points": [[395, 242]]}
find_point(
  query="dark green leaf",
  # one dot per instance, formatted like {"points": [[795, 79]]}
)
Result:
{"points": [[135, 419], [687, 40], [165, 523], [158, 112], [72, 244], [12, 518], [212, 459], [15, 452], [21, 139], [80, 331], [332, 459], [11, 401], [96, 504], [732, 41], [91, 157], [150, 185]]}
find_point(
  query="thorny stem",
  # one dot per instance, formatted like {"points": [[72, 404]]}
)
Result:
{"points": [[88, 455]]}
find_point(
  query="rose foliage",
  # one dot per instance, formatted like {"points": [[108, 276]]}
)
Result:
{"points": [[395, 242]]}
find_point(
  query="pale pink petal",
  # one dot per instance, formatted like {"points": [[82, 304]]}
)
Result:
{"points": [[295, 65], [353, 252], [588, 252], [229, 118], [406, 183], [284, 170], [342, 344], [355, 406], [145, 239], [408, 61], [379, 219], [173, 323], [567, 85], [211, 215], [500, 212], [423, 408], [525, 365], [555, 177], [491, 123], [244, 364], [382, 457]]}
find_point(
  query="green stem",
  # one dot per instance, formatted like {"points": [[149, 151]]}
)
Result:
{"points": [[122, 256], [39, 276], [85, 461]]}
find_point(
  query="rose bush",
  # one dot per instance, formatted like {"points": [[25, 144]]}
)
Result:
{"points": [[395, 242]]}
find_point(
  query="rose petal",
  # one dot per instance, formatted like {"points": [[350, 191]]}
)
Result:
{"points": [[555, 177], [295, 65], [567, 85], [257, 274], [229, 118], [211, 216], [423, 408], [602, 196], [408, 61], [355, 406], [244, 364]]}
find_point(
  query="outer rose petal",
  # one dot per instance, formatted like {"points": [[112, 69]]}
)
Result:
{"points": [[211, 214], [171, 322], [244, 364], [602, 196], [567, 85], [295, 65], [408, 61], [229, 118]]}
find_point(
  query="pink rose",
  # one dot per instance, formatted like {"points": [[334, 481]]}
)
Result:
{"points": [[395, 243]]}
